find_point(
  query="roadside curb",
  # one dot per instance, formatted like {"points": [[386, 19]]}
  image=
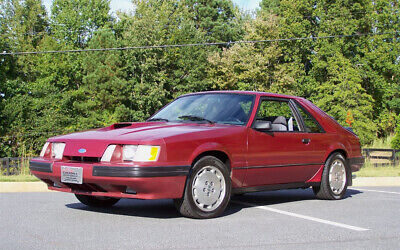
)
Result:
{"points": [[376, 181], [15, 187]]}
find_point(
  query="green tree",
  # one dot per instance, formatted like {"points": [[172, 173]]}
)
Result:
{"points": [[396, 140], [27, 28], [105, 95], [296, 19], [328, 70], [380, 65], [75, 21], [253, 66], [158, 75], [335, 64], [220, 20], [23, 26], [342, 93]]}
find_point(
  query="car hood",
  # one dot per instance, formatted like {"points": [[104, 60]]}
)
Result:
{"points": [[96, 141]]}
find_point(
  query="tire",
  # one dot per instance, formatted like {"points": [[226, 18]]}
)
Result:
{"points": [[334, 179], [207, 191], [94, 201]]}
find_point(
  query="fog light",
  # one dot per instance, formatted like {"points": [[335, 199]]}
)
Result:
{"points": [[130, 191]]}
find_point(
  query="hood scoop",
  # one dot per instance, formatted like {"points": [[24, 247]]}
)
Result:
{"points": [[121, 125]]}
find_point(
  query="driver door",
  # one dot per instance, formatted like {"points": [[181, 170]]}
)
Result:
{"points": [[284, 154]]}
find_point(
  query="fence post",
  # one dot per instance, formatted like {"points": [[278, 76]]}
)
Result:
{"points": [[366, 150], [8, 165]]}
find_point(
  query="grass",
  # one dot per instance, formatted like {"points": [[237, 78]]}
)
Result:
{"points": [[368, 170], [18, 178], [379, 172], [21, 174], [381, 142]]}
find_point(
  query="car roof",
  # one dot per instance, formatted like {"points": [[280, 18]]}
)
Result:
{"points": [[257, 93]]}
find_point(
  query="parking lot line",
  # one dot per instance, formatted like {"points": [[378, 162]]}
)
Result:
{"points": [[378, 191], [337, 224]]}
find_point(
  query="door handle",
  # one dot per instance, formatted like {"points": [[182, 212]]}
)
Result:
{"points": [[305, 141]]}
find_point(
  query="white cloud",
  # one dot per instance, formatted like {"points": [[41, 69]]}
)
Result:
{"points": [[247, 4], [115, 5], [121, 5]]}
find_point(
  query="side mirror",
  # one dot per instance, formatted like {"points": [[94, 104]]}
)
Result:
{"points": [[262, 125]]}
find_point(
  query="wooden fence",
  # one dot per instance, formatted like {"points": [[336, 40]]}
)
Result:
{"points": [[13, 165], [382, 157]]}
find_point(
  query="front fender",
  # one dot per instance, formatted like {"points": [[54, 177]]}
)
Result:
{"points": [[209, 146]]}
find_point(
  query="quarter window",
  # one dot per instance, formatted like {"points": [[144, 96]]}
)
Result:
{"points": [[311, 125]]}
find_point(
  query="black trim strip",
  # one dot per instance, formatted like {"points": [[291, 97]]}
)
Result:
{"points": [[280, 166], [110, 171], [40, 166], [356, 160], [274, 187]]}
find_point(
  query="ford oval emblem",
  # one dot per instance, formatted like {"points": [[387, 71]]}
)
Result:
{"points": [[82, 150]]}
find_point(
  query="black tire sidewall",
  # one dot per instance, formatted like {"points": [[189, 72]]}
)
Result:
{"points": [[203, 162], [328, 165]]}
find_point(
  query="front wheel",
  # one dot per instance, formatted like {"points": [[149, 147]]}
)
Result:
{"points": [[96, 201], [207, 191], [334, 179]]}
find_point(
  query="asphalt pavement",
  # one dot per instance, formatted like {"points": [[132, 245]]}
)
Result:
{"points": [[368, 218]]}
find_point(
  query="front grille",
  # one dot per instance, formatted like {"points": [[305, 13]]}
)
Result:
{"points": [[83, 159]]}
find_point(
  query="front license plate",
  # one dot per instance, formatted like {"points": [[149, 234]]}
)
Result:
{"points": [[71, 174]]}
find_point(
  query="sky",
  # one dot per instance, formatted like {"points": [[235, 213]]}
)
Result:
{"points": [[127, 6]]}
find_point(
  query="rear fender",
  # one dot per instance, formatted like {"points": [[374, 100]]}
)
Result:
{"points": [[339, 146]]}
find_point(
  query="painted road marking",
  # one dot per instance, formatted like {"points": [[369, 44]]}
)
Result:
{"points": [[378, 191], [337, 224]]}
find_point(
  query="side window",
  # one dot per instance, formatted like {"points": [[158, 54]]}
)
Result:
{"points": [[279, 114], [311, 124]]}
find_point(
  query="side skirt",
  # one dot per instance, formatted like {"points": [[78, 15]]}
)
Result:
{"points": [[274, 187]]}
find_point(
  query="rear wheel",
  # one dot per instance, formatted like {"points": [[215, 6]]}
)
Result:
{"points": [[207, 190], [96, 201], [334, 179]]}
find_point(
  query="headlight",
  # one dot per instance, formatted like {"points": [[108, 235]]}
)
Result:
{"points": [[108, 153], [147, 153], [53, 150], [45, 150], [57, 150], [130, 153]]}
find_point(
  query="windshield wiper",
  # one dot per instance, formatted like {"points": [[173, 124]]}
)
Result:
{"points": [[194, 118], [157, 120]]}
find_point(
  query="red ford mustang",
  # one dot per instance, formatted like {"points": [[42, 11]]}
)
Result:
{"points": [[202, 148]]}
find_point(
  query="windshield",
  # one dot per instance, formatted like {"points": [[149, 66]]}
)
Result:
{"points": [[212, 108]]}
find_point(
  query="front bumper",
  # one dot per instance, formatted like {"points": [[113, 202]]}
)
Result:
{"points": [[140, 182], [356, 163]]}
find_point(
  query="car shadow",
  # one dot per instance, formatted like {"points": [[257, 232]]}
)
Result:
{"points": [[284, 196], [162, 209], [165, 209]]}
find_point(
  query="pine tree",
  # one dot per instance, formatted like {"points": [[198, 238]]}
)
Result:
{"points": [[220, 20]]}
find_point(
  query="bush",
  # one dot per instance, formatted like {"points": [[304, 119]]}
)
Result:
{"points": [[396, 139]]}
